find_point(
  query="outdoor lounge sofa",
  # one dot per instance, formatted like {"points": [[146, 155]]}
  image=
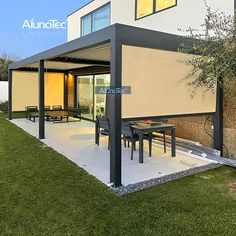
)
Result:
{"points": [[57, 108], [56, 114], [32, 112], [30, 109]]}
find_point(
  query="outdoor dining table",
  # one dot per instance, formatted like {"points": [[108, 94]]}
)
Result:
{"points": [[142, 129]]}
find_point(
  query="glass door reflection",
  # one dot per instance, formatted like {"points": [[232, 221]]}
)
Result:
{"points": [[100, 99], [86, 96], [92, 104]]}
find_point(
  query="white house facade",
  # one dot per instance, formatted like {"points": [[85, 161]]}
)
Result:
{"points": [[160, 15]]}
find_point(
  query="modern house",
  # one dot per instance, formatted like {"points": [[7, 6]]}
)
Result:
{"points": [[119, 43]]}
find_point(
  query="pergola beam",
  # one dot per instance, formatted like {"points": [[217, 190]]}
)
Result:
{"points": [[30, 69], [41, 100], [81, 61]]}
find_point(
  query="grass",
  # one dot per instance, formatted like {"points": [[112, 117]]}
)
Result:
{"points": [[43, 193]]}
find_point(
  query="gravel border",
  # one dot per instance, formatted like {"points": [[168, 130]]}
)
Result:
{"points": [[125, 190]]}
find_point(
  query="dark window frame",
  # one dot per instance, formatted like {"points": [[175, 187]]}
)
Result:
{"points": [[154, 9], [92, 14]]}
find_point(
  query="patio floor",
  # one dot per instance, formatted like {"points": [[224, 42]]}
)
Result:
{"points": [[75, 140]]}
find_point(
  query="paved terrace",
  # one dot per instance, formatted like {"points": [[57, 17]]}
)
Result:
{"points": [[76, 141]]}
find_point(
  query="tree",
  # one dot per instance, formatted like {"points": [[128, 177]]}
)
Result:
{"points": [[214, 49], [5, 61]]}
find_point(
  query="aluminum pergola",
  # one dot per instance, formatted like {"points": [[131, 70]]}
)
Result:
{"points": [[104, 47]]}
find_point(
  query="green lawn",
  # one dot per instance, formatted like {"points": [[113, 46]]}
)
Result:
{"points": [[43, 193]]}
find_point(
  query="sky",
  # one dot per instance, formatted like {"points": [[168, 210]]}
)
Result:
{"points": [[26, 42]]}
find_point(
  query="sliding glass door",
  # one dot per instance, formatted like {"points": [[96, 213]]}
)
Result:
{"points": [[92, 104], [100, 99], [86, 96]]}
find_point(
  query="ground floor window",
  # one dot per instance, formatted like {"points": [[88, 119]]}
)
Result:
{"points": [[90, 103]]}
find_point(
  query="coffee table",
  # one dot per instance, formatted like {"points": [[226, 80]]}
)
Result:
{"points": [[57, 116]]}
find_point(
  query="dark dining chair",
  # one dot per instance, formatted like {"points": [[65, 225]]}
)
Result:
{"points": [[129, 135], [103, 128]]}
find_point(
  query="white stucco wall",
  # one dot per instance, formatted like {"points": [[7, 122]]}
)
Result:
{"points": [[188, 13], [25, 89], [163, 89], [3, 91]]}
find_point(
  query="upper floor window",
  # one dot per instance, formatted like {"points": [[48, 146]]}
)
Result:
{"points": [[96, 20], [164, 4], [144, 8], [148, 7], [86, 25]]}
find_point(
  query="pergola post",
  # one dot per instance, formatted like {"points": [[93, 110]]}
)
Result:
{"points": [[41, 100], [10, 94], [218, 120], [115, 114]]}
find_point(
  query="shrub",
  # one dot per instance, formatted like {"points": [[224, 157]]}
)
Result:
{"points": [[4, 106], [216, 43]]}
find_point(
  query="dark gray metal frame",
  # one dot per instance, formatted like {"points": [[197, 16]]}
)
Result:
{"points": [[75, 92], [219, 120], [41, 100], [117, 35], [65, 91], [114, 111]]}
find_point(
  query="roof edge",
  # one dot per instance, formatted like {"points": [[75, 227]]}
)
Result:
{"points": [[125, 34], [98, 37], [80, 8]]}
